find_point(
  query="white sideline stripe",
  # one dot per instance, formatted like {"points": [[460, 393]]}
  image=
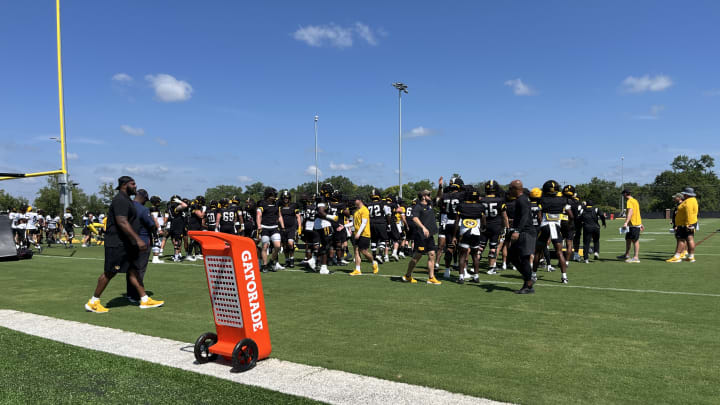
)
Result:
{"points": [[485, 281], [331, 386]]}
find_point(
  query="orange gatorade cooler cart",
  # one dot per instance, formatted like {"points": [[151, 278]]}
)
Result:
{"points": [[238, 305]]}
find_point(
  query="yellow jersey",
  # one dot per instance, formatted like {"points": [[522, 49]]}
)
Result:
{"points": [[635, 219], [399, 215], [687, 212], [358, 217]]}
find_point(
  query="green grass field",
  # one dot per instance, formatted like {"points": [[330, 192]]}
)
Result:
{"points": [[642, 333]]}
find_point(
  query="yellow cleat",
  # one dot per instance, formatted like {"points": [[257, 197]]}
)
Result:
{"points": [[356, 272], [408, 280], [95, 307], [151, 303], [674, 259], [375, 268], [683, 254], [433, 281], [690, 259]]}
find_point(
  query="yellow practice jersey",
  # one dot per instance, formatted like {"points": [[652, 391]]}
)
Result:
{"points": [[358, 217], [635, 219], [399, 214], [687, 212]]}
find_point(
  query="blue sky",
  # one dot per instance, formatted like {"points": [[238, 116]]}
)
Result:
{"points": [[186, 95]]}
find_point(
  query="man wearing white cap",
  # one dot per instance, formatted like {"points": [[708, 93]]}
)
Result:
{"points": [[685, 225]]}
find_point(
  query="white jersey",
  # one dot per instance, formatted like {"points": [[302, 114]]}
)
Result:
{"points": [[160, 218], [321, 223], [52, 222], [32, 220], [15, 220]]}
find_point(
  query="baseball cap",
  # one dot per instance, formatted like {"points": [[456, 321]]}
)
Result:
{"points": [[122, 180], [626, 191], [142, 193]]}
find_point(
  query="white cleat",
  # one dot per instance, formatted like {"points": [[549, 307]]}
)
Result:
{"points": [[278, 266], [156, 260], [311, 264], [324, 269], [396, 257], [344, 262], [504, 266]]}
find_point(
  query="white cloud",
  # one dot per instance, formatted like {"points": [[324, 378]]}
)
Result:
{"points": [[646, 83], [132, 130], [161, 141], [169, 89], [335, 35], [342, 166], [654, 113], [310, 171], [520, 88], [72, 156], [122, 77], [419, 132], [244, 179]]}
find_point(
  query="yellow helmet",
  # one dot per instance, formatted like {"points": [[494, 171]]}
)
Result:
{"points": [[535, 193], [29, 208]]}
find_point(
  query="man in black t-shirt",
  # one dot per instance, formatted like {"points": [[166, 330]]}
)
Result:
{"points": [[122, 246], [290, 213], [425, 230], [522, 239]]}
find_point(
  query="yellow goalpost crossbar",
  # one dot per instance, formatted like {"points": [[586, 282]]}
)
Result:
{"points": [[63, 150]]}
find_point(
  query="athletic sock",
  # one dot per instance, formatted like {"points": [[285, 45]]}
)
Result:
{"points": [[94, 299], [144, 298], [357, 268]]}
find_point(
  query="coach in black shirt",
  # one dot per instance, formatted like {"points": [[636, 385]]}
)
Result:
{"points": [[122, 246], [522, 240], [423, 216]]}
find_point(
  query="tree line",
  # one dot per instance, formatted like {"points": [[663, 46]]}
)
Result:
{"points": [[656, 196]]}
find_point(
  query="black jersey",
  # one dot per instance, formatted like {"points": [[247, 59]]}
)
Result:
{"points": [[194, 221], [270, 213], [211, 218], [553, 207], [289, 213], [227, 217], [510, 210], [468, 210], [337, 208], [575, 207], [377, 212], [521, 216], [535, 210], [449, 204], [590, 217], [494, 207]]}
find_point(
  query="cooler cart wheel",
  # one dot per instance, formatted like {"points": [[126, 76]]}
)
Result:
{"points": [[244, 355], [202, 348]]}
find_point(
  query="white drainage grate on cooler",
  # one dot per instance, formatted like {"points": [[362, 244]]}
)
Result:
{"points": [[224, 291]]}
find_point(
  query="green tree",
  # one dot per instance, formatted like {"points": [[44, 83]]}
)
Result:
{"points": [[223, 191], [48, 197], [8, 201], [687, 172], [255, 191], [107, 192]]}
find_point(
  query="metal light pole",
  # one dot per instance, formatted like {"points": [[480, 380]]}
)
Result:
{"points": [[317, 179], [622, 181], [401, 88], [65, 191]]}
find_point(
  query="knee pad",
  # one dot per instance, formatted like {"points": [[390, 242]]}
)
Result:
{"points": [[265, 239], [373, 246], [492, 254], [275, 237]]}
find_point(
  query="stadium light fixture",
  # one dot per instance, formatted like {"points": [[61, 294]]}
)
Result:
{"points": [[401, 87]]}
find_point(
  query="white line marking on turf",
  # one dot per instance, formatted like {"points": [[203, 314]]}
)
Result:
{"points": [[331, 386], [540, 283]]}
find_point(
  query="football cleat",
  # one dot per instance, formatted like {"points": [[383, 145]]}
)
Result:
{"points": [[356, 272]]}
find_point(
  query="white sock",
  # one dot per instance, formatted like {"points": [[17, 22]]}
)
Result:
{"points": [[375, 263], [357, 268], [144, 298], [534, 274], [564, 275], [94, 299], [691, 255], [677, 256]]}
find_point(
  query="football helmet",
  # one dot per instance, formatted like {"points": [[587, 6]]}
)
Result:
{"points": [[155, 200], [569, 190], [285, 194], [535, 193], [269, 192], [326, 190], [375, 196], [551, 187], [224, 202], [337, 196], [492, 187]]}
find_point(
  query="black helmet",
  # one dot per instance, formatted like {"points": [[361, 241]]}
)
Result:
{"points": [[200, 199], [270, 192], [375, 196], [472, 195], [569, 190], [337, 196], [285, 194], [551, 187], [213, 204], [326, 190], [304, 197], [155, 200], [224, 202], [492, 187]]}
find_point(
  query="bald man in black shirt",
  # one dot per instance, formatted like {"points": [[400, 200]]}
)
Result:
{"points": [[522, 240]]}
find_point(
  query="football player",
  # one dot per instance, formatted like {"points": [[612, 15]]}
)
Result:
{"points": [[339, 209], [248, 219], [378, 225], [397, 229], [176, 216], [425, 229], [270, 224], [325, 225], [211, 216], [309, 236], [567, 226], [496, 224], [361, 237], [226, 217], [590, 218], [195, 223], [536, 217], [448, 199], [160, 236], [290, 212], [53, 222], [69, 228], [554, 208], [469, 220]]}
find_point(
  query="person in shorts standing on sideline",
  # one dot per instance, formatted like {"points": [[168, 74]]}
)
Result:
{"points": [[633, 224], [685, 223], [361, 237], [425, 228], [523, 237], [122, 246], [146, 227]]}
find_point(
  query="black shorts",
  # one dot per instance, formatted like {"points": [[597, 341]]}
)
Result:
{"points": [[395, 234], [141, 262], [269, 232], [470, 241], [120, 259], [325, 236], [547, 234], [424, 245], [567, 229], [633, 234], [70, 231], [288, 234], [683, 232], [229, 229], [340, 237], [310, 237], [523, 246], [448, 231], [378, 232], [362, 243], [492, 235]]}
